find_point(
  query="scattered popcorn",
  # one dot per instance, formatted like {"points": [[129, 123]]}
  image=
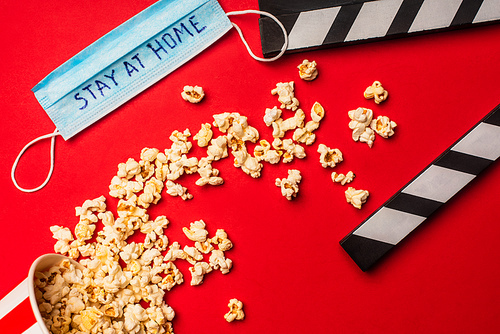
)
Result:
{"points": [[121, 285], [175, 189], [290, 185], [235, 311], [383, 126], [356, 197], [329, 157], [204, 135], [193, 94], [286, 96], [272, 115], [343, 179], [308, 70], [376, 91]]}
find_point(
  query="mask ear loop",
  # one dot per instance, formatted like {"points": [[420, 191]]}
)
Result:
{"points": [[52, 153], [252, 11]]}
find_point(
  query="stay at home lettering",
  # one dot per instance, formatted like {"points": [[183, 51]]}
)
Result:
{"points": [[158, 49]]}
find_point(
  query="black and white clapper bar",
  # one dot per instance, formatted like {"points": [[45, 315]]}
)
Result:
{"points": [[429, 190], [313, 24]]}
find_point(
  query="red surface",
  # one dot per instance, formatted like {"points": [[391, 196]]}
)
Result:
{"points": [[289, 269]]}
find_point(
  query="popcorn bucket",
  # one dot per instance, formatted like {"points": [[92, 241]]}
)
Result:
{"points": [[26, 289]]}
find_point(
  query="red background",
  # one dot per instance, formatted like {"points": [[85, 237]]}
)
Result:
{"points": [[289, 269]]}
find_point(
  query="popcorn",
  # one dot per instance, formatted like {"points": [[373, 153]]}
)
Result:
{"points": [[151, 194], [156, 226], [235, 310], [237, 129], [86, 211], [128, 169], [175, 189], [343, 179], [308, 70], [291, 149], [329, 157], [264, 152], [317, 112], [63, 236], [129, 208], [208, 174], [221, 239], [147, 170], [198, 272], [175, 252], [192, 254], [204, 247], [193, 94], [204, 135], [290, 185], [196, 231], [217, 149], [356, 197], [84, 231], [360, 121], [383, 126], [272, 115], [376, 91], [149, 154], [367, 137], [172, 277], [286, 96], [280, 126], [250, 165], [90, 318], [180, 145], [223, 121], [219, 261]]}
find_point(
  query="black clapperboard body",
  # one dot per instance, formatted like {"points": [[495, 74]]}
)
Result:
{"points": [[313, 24], [318, 24]]}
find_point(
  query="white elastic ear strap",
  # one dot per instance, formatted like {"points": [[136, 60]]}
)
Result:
{"points": [[251, 11], [52, 152]]}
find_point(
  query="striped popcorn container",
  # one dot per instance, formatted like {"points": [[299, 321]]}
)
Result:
{"points": [[429, 190], [317, 24], [19, 311]]}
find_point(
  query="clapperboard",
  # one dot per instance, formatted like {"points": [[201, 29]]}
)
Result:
{"points": [[429, 190], [313, 24]]}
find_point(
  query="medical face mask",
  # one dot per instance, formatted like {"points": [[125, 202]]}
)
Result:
{"points": [[126, 61]]}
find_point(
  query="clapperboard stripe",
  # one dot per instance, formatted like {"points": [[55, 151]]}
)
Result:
{"points": [[428, 191], [325, 25]]}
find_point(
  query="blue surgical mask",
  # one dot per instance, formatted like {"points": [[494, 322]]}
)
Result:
{"points": [[126, 61]]}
